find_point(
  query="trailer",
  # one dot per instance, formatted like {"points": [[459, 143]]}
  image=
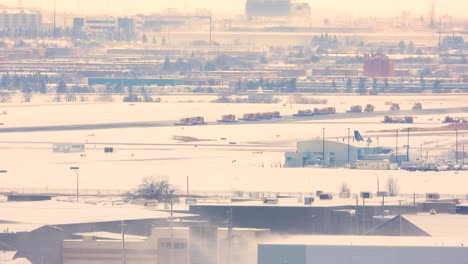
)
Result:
{"points": [[227, 119], [355, 109], [191, 121], [455, 120], [250, 117], [325, 111], [302, 113]]}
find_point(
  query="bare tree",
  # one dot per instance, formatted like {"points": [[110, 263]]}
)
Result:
{"points": [[392, 186], [157, 188]]}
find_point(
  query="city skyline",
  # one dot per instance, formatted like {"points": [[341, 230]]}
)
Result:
{"points": [[236, 7]]}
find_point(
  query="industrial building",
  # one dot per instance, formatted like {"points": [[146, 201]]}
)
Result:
{"points": [[339, 154], [123, 26], [20, 20], [428, 238], [362, 250], [268, 8], [36, 230], [181, 245]]}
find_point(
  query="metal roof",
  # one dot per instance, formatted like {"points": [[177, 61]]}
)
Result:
{"points": [[441, 225], [368, 241], [60, 213]]}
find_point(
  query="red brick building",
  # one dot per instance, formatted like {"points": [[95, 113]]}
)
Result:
{"points": [[378, 65]]}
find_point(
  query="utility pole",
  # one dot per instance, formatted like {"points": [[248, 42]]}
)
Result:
{"points": [[171, 201], [54, 21], [348, 148], [188, 190], [229, 236], [323, 146], [463, 157], [396, 146], [363, 215], [210, 25], [75, 169], [124, 260], [407, 146], [378, 184], [456, 146]]}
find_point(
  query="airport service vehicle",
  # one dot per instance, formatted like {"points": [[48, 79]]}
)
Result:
{"points": [[399, 119], [455, 120], [191, 121], [306, 112], [395, 107], [369, 108], [417, 106], [227, 119], [325, 111], [355, 109]]}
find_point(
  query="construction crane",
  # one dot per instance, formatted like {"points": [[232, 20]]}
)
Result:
{"points": [[20, 4]]}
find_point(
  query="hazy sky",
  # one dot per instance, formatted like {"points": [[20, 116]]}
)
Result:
{"points": [[353, 7]]}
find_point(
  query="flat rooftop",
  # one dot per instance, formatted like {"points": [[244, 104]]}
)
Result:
{"points": [[335, 202], [384, 241]]}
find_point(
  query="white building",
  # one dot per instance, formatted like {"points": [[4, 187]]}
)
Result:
{"points": [[20, 20], [363, 250]]}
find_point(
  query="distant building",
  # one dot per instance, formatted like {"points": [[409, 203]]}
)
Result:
{"points": [[378, 65], [260, 96], [197, 244], [311, 153], [268, 8], [20, 21], [362, 250], [125, 26], [301, 10], [68, 147]]}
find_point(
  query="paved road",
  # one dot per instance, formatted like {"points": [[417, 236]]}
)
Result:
{"points": [[285, 119]]}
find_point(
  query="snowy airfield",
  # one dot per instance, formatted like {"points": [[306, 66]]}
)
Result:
{"points": [[253, 163]]}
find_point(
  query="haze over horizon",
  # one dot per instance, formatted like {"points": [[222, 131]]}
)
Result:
{"points": [[234, 7]]}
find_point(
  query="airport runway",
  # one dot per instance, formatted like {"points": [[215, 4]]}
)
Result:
{"points": [[284, 119]]}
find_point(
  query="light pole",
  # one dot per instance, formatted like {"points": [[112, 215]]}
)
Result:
{"points": [[396, 146], [323, 147], [124, 258], [54, 21], [456, 146], [348, 147], [378, 185], [407, 146], [75, 169], [3, 171]]}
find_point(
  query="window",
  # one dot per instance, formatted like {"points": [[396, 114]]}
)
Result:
{"points": [[180, 245], [164, 243]]}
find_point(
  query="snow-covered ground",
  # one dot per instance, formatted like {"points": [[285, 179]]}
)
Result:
{"points": [[252, 164]]}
